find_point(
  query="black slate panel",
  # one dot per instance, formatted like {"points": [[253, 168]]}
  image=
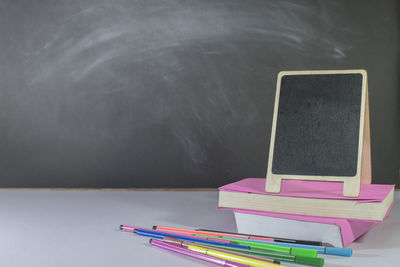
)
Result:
{"points": [[318, 125]]}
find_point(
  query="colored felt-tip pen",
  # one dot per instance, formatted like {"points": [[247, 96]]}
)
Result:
{"points": [[128, 228], [195, 232], [194, 254], [272, 247], [185, 244], [319, 262], [232, 257], [161, 235], [346, 252], [260, 237]]}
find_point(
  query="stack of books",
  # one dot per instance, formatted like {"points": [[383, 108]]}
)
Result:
{"points": [[306, 210]]}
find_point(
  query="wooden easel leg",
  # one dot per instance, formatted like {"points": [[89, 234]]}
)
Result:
{"points": [[273, 185], [366, 175]]}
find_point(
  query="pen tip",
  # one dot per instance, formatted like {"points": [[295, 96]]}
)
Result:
{"points": [[154, 227], [150, 241], [121, 227]]}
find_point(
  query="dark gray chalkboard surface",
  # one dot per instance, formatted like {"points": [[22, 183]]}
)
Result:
{"points": [[153, 93], [318, 124]]}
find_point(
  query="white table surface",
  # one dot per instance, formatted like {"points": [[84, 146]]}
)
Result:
{"points": [[80, 228]]}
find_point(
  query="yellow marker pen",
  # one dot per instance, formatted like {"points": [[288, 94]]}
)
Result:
{"points": [[232, 257]]}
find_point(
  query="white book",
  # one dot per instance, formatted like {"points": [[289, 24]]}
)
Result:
{"points": [[337, 232], [286, 228]]}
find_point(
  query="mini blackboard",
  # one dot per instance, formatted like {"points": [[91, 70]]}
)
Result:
{"points": [[318, 128]]}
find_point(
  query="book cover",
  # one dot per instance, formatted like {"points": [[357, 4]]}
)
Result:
{"points": [[291, 226], [322, 199]]}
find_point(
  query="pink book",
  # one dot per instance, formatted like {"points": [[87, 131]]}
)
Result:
{"points": [[310, 189], [350, 229]]}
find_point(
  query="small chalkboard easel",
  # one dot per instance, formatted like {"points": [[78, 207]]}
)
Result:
{"points": [[320, 129]]}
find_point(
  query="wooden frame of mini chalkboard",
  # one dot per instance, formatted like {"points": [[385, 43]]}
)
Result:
{"points": [[351, 186]]}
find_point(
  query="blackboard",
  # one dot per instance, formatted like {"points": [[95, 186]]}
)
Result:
{"points": [[318, 124], [153, 93]]}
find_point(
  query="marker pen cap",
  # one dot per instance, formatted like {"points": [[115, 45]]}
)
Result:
{"points": [[304, 252], [310, 261], [347, 252], [197, 249]]}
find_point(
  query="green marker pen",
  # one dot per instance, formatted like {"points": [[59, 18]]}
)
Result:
{"points": [[272, 248]]}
